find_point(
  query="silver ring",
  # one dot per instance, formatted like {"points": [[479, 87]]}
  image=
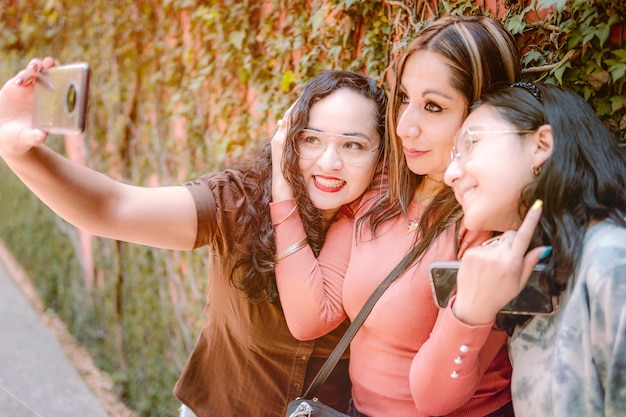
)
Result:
{"points": [[279, 122]]}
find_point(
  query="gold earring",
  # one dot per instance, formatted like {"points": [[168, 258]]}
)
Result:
{"points": [[536, 170]]}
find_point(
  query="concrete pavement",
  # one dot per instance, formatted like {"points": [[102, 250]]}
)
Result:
{"points": [[36, 377]]}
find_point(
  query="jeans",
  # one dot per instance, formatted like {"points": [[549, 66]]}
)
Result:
{"points": [[505, 411], [185, 412], [353, 412]]}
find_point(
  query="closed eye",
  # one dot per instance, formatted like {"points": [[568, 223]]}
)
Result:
{"points": [[469, 143]]}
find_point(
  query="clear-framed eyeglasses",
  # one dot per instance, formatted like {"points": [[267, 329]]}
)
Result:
{"points": [[353, 150], [465, 140]]}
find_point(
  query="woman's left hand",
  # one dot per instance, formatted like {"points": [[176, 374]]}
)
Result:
{"points": [[493, 274]]}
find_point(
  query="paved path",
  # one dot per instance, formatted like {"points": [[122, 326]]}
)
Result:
{"points": [[36, 377]]}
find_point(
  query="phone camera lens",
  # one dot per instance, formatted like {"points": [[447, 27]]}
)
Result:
{"points": [[71, 98]]}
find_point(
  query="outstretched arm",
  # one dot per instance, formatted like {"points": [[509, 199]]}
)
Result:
{"points": [[162, 216]]}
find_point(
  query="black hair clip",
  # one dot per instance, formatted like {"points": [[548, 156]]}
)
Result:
{"points": [[530, 87]]}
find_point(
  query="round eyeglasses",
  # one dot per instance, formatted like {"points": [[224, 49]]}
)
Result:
{"points": [[465, 140], [353, 150]]}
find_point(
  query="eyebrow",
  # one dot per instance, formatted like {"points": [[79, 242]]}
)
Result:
{"points": [[354, 134], [477, 128], [428, 91]]}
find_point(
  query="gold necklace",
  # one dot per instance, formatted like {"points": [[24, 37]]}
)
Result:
{"points": [[433, 179]]}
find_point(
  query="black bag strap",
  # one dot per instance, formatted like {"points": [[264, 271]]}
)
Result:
{"points": [[343, 344]]}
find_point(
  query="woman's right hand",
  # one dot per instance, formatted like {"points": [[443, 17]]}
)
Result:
{"points": [[17, 135], [280, 188], [493, 274]]}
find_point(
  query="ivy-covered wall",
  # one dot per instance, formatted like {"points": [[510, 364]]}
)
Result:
{"points": [[180, 86]]}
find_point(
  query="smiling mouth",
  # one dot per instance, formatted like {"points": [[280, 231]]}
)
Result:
{"points": [[328, 184], [465, 194]]}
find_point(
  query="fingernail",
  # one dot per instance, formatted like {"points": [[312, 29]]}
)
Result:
{"points": [[18, 81], [547, 251], [537, 205]]}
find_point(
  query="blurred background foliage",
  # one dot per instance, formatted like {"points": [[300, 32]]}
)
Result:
{"points": [[180, 86]]}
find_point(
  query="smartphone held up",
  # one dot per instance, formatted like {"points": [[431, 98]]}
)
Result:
{"points": [[61, 97], [533, 300]]}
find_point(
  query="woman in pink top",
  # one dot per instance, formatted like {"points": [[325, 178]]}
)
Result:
{"points": [[445, 68]]}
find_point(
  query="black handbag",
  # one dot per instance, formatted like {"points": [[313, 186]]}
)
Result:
{"points": [[302, 407], [308, 405]]}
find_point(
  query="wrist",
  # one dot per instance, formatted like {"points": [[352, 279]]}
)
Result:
{"points": [[471, 314], [281, 190]]}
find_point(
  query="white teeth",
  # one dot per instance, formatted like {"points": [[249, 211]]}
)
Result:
{"points": [[329, 183]]}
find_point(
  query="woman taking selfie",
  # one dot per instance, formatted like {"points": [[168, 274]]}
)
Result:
{"points": [[245, 362]]}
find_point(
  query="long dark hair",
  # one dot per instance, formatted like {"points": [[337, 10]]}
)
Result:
{"points": [[480, 53], [584, 180], [253, 240]]}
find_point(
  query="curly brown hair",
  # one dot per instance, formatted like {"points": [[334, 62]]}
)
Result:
{"points": [[254, 247]]}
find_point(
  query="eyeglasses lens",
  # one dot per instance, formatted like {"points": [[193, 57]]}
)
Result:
{"points": [[353, 150]]}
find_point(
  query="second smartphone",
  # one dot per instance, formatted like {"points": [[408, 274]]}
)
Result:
{"points": [[531, 301]]}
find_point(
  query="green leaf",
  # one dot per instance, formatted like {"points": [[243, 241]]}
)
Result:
{"points": [[546, 4], [620, 54], [516, 24], [617, 71], [558, 73], [617, 103], [533, 56], [588, 16], [588, 37], [603, 107], [603, 32], [289, 78], [574, 39]]}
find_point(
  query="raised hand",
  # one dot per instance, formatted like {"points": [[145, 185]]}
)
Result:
{"points": [[280, 188], [17, 136], [493, 274]]}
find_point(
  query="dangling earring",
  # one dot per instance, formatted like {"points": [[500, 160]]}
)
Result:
{"points": [[536, 170]]}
